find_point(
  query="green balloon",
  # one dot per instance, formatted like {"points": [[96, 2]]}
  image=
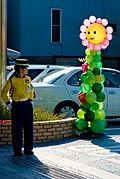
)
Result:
{"points": [[99, 65], [91, 79], [85, 106], [87, 52], [92, 65], [89, 71], [95, 106], [103, 78], [93, 52], [100, 97], [80, 113], [100, 105], [97, 125], [89, 115], [100, 114], [85, 87], [105, 122], [81, 125], [91, 97], [89, 58], [97, 87], [84, 77], [98, 52], [96, 71], [96, 58]]}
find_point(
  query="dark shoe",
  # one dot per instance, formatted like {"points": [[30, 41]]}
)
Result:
{"points": [[20, 154], [29, 152]]}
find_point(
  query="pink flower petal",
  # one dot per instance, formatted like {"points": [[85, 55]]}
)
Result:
{"points": [[90, 46], [108, 36], [109, 30], [85, 42], [92, 19], [82, 36], [104, 46], [99, 21], [105, 42], [104, 22], [83, 28], [97, 47], [86, 22]]}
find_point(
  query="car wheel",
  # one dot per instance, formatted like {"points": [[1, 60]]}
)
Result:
{"points": [[67, 109]]}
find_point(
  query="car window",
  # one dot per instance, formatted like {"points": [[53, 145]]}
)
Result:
{"points": [[34, 72], [8, 71], [50, 70], [43, 78], [112, 78], [75, 79]]}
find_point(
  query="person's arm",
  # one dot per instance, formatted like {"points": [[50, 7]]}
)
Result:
{"points": [[5, 91], [32, 92]]}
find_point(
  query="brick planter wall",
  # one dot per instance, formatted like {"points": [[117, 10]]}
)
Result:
{"points": [[43, 131]]}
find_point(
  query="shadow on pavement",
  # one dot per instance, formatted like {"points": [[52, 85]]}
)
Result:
{"points": [[28, 165], [56, 142], [108, 143]]}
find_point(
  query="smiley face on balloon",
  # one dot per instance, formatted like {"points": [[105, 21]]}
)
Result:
{"points": [[94, 35]]}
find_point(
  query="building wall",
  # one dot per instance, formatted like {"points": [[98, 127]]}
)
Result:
{"points": [[29, 26]]}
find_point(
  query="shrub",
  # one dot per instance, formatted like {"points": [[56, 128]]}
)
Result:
{"points": [[4, 112], [40, 114]]}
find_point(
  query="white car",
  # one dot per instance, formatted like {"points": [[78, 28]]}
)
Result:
{"points": [[36, 70], [58, 92]]}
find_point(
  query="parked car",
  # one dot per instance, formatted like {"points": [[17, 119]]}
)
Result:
{"points": [[11, 56], [58, 92], [35, 70]]}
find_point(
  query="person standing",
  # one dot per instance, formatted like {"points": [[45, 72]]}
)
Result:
{"points": [[19, 89]]}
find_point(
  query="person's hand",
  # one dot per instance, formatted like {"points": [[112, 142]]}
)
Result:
{"points": [[8, 106]]}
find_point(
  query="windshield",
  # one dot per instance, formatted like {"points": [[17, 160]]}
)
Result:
{"points": [[52, 76]]}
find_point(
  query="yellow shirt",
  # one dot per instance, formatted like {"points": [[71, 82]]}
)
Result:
{"points": [[18, 89]]}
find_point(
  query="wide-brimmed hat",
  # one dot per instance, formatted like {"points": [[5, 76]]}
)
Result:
{"points": [[21, 62]]}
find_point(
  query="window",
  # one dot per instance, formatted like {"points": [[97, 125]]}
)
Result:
{"points": [[75, 79], [34, 72], [56, 25], [112, 78]]}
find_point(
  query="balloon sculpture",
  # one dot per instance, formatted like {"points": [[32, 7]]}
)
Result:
{"points": [[91, 116]]}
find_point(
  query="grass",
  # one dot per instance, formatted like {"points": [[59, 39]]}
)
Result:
{"points": [[4, 112]]}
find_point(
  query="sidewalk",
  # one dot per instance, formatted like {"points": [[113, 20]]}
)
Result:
{"points": [[70, 158], [31, 167]]}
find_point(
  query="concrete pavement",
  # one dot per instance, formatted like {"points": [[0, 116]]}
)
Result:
{"points": [[71, 158]]}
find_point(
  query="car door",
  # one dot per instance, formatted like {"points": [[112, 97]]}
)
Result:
{"points": [[112, 86], [73, 85]]}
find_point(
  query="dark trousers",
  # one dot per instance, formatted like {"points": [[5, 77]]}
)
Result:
{"points": [[22, 117]]}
